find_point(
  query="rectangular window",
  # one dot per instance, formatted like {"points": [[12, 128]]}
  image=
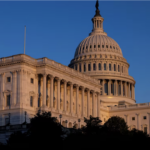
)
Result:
{"points": [[144, 117], [106, 88], [8, 79], [94, 66], [145, 129], [114, 67], [98, 46], [31, 101], [8, 100], [109, 67], [133, 118], [89, 67], [119, 89], [32, 81], [104, 66], [99, 66]]}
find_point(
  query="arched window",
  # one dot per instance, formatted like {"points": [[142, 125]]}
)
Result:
{"points": [[80, 67], [89, 67], [118, 68], [114, 67], [109, 67], [84, 67], [99, 66], [94, 66], [104, 66]]}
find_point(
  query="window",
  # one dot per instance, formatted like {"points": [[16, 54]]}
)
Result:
{"points": [[94, 66], [144, 117], [106, 46], [86, 47], [118, 68], [106, 88], [114, 67], [90, 46], [84, 67], [99, 66], [94, 46], [80, 67], [32, 80], [145, 129], [109, 67], [8, 100], [133, 118], [98, 46], [39, 104], [8, 79], [89, 67], [119, 89], [31, 101], [111, 47], [75, 67], [104, 66], [6, 121], [102, 46], [83, 48]]}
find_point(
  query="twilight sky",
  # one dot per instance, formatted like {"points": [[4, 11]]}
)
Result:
{"points": [[55, 28]]}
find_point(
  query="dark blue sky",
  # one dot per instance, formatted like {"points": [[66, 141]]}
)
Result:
{"points": [[55, 28]]}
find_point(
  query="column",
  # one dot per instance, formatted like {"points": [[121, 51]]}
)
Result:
{"points": [[103, 88], [51, 91], [14, 86], [64, 100], [109, 87], [126, 89], [58, 94], [98, 105], [2, 90], [77, 99], [88, 103], [91, 66], [19, 99], [35, 101], [82, 111], [93, 104], [71, 98], [133, 91], [44, 90], [121, 88], [129, 91], [137, 121], [116, 89]]}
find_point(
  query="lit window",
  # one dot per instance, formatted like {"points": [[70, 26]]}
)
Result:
{"points": [[94, 66], [8, 100], [109, 67], [89, 67], [106, 46], [145, 129], [84, 67], [133, 118], [102, 46], [32, 80], [94, 46], [144, 117], [99, 66], [114, 67], [8, 79], [31, 101], [98, 46], [118, 68], [104, 66]]}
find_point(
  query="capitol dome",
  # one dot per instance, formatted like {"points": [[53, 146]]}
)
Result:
{"points": [[100, 57]]}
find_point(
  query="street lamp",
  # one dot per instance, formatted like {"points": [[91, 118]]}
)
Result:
{"points": [[25, 116], [79, 122], [60, 116], [66, 123]]}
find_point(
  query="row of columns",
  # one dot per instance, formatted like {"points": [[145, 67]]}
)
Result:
{"points": [[95, 108], [126, 88], [84, 67]]}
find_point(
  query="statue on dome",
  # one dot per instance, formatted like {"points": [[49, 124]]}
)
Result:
{"points": [[97, 5]]}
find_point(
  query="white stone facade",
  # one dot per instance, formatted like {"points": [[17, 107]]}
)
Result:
{"points": [[96, 83]]}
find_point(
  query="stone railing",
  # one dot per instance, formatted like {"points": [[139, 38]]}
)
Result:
{"points": [[126, 106], [44, 60]]}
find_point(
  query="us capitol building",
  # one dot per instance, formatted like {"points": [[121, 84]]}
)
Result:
{"points": [[96, 82]]}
